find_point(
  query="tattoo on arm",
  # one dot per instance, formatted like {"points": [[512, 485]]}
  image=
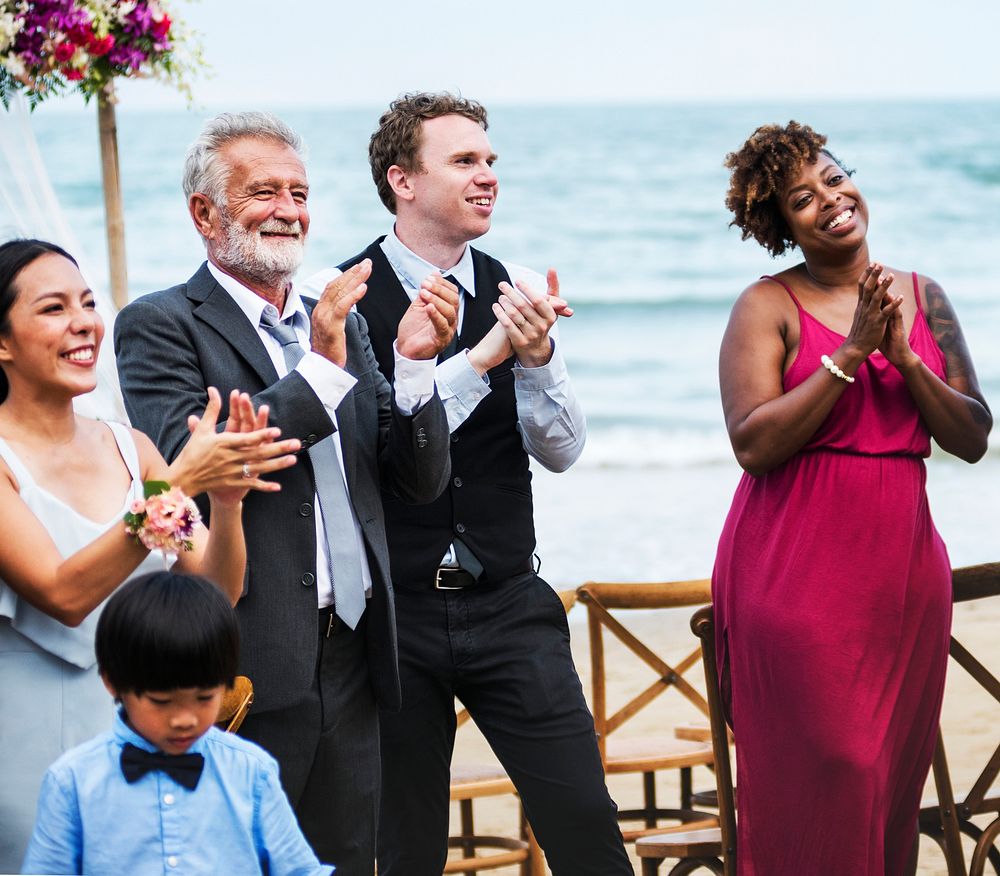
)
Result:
{"points": [[945, 328]]}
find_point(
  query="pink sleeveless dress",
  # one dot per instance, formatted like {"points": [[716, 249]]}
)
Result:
{"points": [[832, 594]]}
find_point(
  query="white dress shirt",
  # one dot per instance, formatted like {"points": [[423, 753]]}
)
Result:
{"points": [[413, 384], [549, 415]]}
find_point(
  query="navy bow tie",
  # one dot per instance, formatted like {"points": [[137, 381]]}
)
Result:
{"points": [[185, 769]]}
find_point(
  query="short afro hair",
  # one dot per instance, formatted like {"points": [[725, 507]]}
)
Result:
{"points": [[761, 170], [397, 138]]}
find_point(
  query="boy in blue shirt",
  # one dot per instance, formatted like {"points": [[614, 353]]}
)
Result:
{"points": [[165, 790]]}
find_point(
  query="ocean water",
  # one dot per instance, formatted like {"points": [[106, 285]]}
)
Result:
{"points": [[627, 203]]}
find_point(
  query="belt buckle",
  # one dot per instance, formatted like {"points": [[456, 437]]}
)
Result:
{"points": [[448, 571]]}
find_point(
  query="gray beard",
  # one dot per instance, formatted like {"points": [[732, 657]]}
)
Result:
{"points": [[272, 263]]}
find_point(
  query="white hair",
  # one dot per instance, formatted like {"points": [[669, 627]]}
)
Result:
{"points": [[204, 172]]}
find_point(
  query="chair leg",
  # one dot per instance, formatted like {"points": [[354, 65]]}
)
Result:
{"points": [[651, 866], [686, 789], [468, 828], [983, 847], [534, 864], [949, 816], [649, 798]]}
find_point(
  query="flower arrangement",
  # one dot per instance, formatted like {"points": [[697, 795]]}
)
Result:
{"points": [[164, 520], [48, 46]]}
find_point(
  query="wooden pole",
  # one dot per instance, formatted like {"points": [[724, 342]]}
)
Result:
{"points": [[114, 213]]}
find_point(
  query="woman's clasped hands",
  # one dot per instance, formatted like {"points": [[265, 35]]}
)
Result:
{"points": [[878, 319]]}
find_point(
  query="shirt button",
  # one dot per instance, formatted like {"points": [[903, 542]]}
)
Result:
{"points": [[172, 861], [305, 509], [457, 482], [168, 799], [308, 579], [459, 528]]}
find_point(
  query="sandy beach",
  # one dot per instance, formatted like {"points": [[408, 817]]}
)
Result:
{"points": [[665, 542]]}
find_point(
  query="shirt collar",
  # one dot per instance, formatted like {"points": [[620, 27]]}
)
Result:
{"points": [[413, 270], [123, 733], [253, 305]]}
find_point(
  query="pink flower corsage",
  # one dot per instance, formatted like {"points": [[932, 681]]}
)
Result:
{"points": [[164, 520]]}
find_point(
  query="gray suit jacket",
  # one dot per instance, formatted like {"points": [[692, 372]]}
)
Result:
{"points": [[172, 345]]}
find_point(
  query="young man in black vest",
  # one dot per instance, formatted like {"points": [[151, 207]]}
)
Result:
{"points": [[474, 619]]}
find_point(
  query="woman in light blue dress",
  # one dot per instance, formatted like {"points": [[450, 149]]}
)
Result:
{"points": [[65, 483]]}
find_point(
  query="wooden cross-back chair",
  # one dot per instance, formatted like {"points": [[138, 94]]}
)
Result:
{"points": [[712, 848], [470, 782], [625, 753], [946, 819]]}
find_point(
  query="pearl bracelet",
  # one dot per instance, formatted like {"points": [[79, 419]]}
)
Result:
{"points": [[831, 366]]}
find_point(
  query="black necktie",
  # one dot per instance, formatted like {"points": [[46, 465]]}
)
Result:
{"points": [[452, 347], [185, 769]]}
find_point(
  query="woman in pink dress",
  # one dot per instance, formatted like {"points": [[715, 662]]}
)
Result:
{"points": [[832, 588]]}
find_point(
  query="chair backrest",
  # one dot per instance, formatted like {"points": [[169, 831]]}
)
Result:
{"points": [[236, 703], [703, 627], [601, 598]]}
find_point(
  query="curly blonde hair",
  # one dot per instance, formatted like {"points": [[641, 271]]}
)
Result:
{"points": [[761, 170]]}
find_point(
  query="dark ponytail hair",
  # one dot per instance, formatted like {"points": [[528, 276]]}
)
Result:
{"points": [[15, 256]]}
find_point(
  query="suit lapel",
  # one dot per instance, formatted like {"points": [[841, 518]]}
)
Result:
{"points": [[216, 308]]}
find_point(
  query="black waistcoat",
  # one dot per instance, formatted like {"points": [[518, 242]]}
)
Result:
{"points": [[488, 500]]}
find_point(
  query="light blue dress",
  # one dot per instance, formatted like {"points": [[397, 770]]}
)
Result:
{"points": [[51, 697]]}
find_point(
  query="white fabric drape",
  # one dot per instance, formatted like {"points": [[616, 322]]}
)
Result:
{"points": [[29, 208]]}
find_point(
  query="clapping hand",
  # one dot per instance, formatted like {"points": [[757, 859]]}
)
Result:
{"points": [[429, 323], [328, 336], [229, 463], [527, 318]]}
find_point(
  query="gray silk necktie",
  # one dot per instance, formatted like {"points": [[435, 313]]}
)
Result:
{"points": [[338, 515]]}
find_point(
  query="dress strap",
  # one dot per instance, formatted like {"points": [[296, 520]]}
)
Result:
{"points": [[127, 449], [20, 470], [786, 287], [916, 293]]}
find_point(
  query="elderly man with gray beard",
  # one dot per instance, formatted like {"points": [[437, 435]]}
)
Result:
{"points": [[316, 615]]}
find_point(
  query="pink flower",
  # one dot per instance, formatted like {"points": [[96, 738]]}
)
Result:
{"points": [[161, 26], [102, 46], [64, 51], [72, 74], [138, 506]]}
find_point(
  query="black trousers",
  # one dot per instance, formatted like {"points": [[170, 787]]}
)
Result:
{"points": [[328, 751], [503, 650]]}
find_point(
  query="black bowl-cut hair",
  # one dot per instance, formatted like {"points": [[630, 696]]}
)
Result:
{"points": [[164, 631]]}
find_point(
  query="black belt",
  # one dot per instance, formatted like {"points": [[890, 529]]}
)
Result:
{"points": [[453, 578]]}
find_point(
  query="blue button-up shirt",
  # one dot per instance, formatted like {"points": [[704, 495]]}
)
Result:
{"points": [[238, 820]]}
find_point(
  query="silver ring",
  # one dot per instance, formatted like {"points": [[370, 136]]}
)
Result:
{"points": [[246, 470]]}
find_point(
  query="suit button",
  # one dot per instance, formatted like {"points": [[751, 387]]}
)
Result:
{"points": [[305, 509], [421, 438], [454, 439], [459, 528], [308, 579], [457, 482]]}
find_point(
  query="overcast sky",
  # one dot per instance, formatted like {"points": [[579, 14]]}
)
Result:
{"points": [[332, 52]]}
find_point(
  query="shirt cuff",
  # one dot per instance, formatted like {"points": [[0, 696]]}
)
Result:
{"points": [[413, 382], [456, 378], [330, 382], [543, 377]]}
